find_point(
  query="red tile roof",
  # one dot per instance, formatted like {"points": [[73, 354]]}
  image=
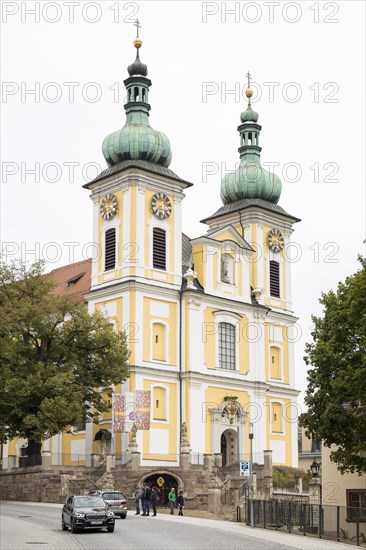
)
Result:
{"points": [[73, 280]]}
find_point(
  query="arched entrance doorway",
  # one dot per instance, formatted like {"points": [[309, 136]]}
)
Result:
{"points": [[164, 483], [229, 447]]}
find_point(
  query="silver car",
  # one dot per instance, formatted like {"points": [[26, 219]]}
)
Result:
{"points": [[116, 500]]}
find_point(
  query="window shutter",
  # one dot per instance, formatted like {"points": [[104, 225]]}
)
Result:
{"points": [[274, 278], [110, 249], [159, 248]]}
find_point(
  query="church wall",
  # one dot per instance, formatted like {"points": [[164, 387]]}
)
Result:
{"points": [[164, 312], [279, 432], [193, 322], [199, 261], [162, 438], [209, 340], [274, 337]]}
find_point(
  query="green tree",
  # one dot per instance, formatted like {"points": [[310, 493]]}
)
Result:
{"points": [[336, 392], [55, 358]]}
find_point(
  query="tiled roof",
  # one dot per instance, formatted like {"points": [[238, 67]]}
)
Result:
{"points": [[186, 252], [73, 280]]}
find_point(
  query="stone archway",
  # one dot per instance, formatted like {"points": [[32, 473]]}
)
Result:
{"points": [[164, 481], [229, 446]]}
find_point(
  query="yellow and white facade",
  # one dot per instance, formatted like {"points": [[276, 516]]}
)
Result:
{"points": [[209, 320]]}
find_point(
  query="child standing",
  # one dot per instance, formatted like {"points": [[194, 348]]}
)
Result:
{"points": [[180, 502]]}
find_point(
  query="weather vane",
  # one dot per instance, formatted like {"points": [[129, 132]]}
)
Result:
{"points": [[138, 26], [249, 76]]}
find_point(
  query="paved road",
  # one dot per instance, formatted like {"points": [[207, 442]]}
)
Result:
{"points": [[37, 526]]}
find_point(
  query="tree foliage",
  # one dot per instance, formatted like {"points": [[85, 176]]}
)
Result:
{"points": [[336, 393], [54, 357]]}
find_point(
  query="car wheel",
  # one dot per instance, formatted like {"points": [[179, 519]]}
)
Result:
{"points": [[73, 527], [110, 529], [63, 525], [123, 516]]}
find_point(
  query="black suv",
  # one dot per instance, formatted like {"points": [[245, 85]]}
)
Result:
{"points": [[116, 500], [87, 512]]}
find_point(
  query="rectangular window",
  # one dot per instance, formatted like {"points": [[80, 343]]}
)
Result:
{"points": [[81, 426], [159, 248], [227, 346], [110, 249], [274, 278], [356, 504]]}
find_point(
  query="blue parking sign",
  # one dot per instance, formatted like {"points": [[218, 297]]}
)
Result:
{"points": [[244, 468]]}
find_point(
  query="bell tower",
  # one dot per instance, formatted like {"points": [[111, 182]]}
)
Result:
{"points": [[137, 199]]}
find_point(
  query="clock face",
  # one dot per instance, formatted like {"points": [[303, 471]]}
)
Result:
{"points": [[276, 242], [108, 207], [161, 206]]}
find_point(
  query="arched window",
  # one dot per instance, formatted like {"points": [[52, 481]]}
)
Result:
{"points": [[158, 345], [227, 269], [274, 278], [227, 346], [159, 248], [275, 367], [159, 404], [110, 249], [277, 420], [136, 94]]}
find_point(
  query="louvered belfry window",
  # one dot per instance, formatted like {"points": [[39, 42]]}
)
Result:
{"points": [[159, 248], [110, 249], [274, 278]]}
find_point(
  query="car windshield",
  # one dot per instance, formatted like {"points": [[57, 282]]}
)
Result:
{"points": [[88, 502]]}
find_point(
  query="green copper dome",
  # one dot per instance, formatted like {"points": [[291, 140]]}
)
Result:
{"points": [[250, 180], [137, 140]]}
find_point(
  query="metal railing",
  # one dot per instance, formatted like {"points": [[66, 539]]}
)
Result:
{"points": [[339, 523], [197, 459]]}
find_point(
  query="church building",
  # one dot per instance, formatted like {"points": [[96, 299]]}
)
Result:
{"points": [[209, 319]]}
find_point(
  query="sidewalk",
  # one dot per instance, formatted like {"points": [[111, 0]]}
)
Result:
{"points": [[285, 539]]}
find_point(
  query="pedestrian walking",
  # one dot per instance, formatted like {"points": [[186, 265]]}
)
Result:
{"points": [[172, 499], [145, 500], [154, 499], [137, 496], [180, 502]]}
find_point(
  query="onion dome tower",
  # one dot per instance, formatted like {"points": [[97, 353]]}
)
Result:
{"points": [[250, 180], [137, 140]]}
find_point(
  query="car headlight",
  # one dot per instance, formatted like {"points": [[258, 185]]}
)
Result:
{"points": [[110, 514], [78, 515]]}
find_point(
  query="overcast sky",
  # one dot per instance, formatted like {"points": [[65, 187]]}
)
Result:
{"points": [[308, 68]]}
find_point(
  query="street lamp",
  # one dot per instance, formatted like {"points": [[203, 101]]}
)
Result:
{"points": [[315, 468], [251, 435], [316, 483]]}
